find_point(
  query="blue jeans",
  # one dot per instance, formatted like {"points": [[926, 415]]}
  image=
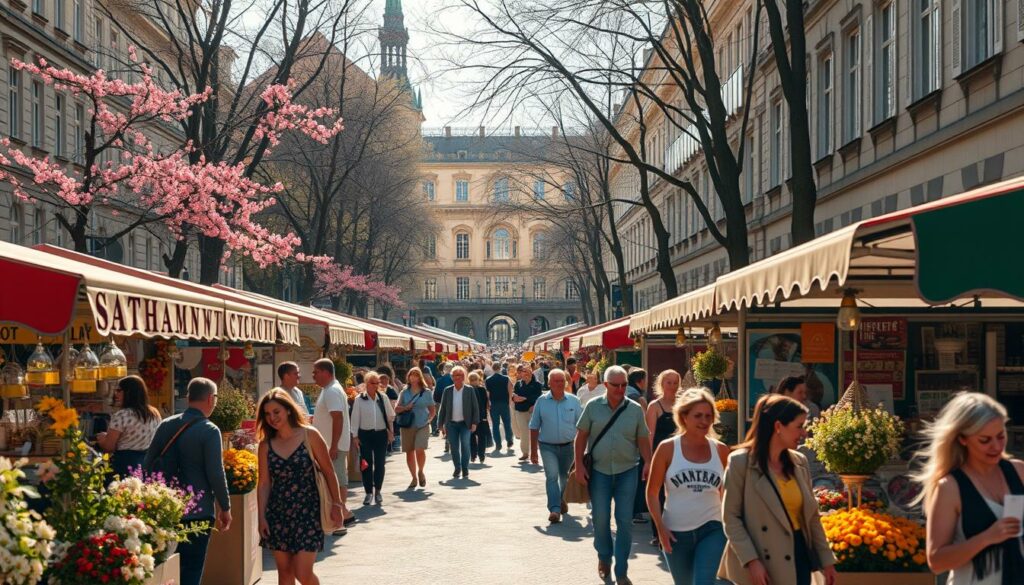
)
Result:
{"points": [[193, 555], [621, 489], [458, 438], [696, 554], [557, 460], [502, 414]]}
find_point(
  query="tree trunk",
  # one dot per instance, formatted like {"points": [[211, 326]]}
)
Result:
{"points": [[176, 261], [77, 230], [211, 252], [664, 258]]}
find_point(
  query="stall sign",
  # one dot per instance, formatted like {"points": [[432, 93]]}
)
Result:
{"points": [[819, 343], [878, 368], [882, 333], [246, 327], [121, 313], [81, 330], [287, 333]]}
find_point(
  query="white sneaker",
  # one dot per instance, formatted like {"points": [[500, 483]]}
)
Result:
{"points": [[367, 499]]}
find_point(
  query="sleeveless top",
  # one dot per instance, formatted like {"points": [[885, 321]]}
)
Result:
{"points": [[664, 426], [965, 575], [692, 490]]}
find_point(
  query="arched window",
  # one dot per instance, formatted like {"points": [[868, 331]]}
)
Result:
{"points": [[571, 319], [431, 321], [501, 246], [462, 246], [539, 245]]}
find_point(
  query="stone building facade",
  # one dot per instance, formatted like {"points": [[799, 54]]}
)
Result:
{"points": [[909, 102]]}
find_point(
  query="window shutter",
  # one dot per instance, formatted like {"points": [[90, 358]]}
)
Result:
{"points": [[1020, 20], [868, 51], [956, 46], [996, 9]]}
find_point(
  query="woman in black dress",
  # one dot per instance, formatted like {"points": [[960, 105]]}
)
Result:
{"points": [[660, 423], [288, 502]]}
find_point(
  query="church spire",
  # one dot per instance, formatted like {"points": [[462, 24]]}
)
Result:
{"points": [[394, 41]]}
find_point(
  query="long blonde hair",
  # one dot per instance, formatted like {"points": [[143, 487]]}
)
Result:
{"points": [[966, 414], [659, 389], [686, 400]]}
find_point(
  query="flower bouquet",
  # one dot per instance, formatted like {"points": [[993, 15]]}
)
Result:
{"points": [[709, 365], [829, 500], [160, 504], [26, 540], [233, 406], [851, 441], [240, 467], [105, 557], [867, 541]]}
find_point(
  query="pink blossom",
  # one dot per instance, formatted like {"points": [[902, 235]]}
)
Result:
{"points": [[332, 280]]}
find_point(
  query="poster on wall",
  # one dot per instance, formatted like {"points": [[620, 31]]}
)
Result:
{"points": [[776, 354], [882, 333], [878, 368]]}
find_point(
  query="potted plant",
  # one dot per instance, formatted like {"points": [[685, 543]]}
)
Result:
{"points": [[709, 365], [237, 550], [233, 406], [877, 548]]}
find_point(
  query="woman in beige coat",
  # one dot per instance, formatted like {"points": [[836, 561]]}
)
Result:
{"points": [[769, 511]]}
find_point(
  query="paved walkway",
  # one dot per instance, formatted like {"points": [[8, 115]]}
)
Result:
{"points": [[489, 529]]}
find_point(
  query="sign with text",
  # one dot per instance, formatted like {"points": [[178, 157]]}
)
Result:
{"points": [[119, 313], [819, 343], [878, 368], [882, 333]]}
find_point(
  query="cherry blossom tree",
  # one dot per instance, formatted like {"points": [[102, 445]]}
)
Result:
{"points": [[333, 280], [124, 168]]}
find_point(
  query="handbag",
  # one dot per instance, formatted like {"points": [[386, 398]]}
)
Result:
{"points": [[575, 492], [404, 420], [323, 491]]}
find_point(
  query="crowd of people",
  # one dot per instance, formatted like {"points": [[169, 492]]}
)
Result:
{"points": [[744, 514]]}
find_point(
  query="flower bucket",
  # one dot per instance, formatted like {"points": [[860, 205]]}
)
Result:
{"points": [[235, 556], [167, 572]]}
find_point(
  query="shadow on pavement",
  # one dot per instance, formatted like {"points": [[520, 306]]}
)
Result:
{"points": [[367, 513], [530, 467], [569, 529], [413, 495], [459, 484]]}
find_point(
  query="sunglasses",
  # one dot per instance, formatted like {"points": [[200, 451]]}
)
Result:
{"points": [[614, 385]]}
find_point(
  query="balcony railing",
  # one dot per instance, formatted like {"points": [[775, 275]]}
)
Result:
{"points": [[687, 144], [498, 301]]}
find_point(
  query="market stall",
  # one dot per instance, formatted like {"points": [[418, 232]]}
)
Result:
{"points": [[535, 342]]}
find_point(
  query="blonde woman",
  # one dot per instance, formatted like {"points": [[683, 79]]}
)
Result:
{"points": [[418, 399], [966, 479], [660, 423], [686, 476]]}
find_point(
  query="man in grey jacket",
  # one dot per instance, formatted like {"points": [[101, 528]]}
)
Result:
{"points": [[187, 447], [458, 417]]}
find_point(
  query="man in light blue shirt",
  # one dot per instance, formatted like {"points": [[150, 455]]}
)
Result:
{"points": [[552, 431]]}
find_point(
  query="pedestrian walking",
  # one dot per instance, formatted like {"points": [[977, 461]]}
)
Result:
{"points": [[388, 388], [288, 503], [443, 382], [552, 432], [660, 421], [591, 389], [478, 440], [769, 512], [613, 432], [372, 419], [131, 428], [499, 390], [573, 375], [187, 448], [331, 419], [686, 478], [796, 388], [288, 373], [637, 391], [413, 413], [459, 415], [968, 480], [524, 395]]}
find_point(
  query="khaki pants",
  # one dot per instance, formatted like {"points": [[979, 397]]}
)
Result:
{"points": [[522, 421]]}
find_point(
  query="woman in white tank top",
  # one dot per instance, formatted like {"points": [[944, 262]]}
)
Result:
{"points": [[690, 468]]}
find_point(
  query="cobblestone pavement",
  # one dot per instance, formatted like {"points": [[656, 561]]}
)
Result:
{"points": [[489, 529]]}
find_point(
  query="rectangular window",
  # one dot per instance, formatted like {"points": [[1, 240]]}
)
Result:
{"points": [[37, 114], [79, 153], [37, 7], [98, 45], [825, 96], [78, 17], [114, 54], [775, 178], [431, 247], [571, 292], [58, 125], [14, 99], [462, 287], [430, 289], [538, 190], [58, 14], [569, 191], [885, 84], [428, 190], [927, 23], [462, 246], [982, 26], [540, 290], [852, 88], [462, 190], [501, 190], [502, 287]]}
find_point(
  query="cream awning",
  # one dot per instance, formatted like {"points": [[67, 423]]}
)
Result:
{"points": [[692, 306], [339, 331]]}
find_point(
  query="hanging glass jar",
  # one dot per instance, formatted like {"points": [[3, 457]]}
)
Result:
{"points": [[87, 368], [113, 363], [12, 381], [41, 369]]}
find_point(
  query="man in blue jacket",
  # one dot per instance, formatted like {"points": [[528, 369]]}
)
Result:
{"points": [[187, 447]]}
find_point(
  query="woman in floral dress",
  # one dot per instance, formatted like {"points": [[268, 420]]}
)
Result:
{"points": [[289, 505]]}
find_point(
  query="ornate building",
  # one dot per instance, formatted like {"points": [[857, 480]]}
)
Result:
{"points": [[483, 273]]}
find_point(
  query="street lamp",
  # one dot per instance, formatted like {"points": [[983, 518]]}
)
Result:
{"points": [[848, 318]]}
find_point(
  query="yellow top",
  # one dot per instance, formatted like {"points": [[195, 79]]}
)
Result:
{"points": [[792, 499]]}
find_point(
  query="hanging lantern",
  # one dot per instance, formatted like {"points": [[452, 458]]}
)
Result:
{"points": [[12, 381], [681, 337], [637, 343], [41, 370], [248, 351], [715, 335], [171, 348], [848, 318], [113, 363], [87, 369]]}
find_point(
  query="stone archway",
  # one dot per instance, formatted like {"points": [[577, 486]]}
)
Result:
{"points": [[539, 324], [464, 326], [502, 329]]}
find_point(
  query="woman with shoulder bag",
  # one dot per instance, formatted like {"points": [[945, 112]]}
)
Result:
{"points": [[288, 500], [413, 413], [769, 512], [968, 481]]}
